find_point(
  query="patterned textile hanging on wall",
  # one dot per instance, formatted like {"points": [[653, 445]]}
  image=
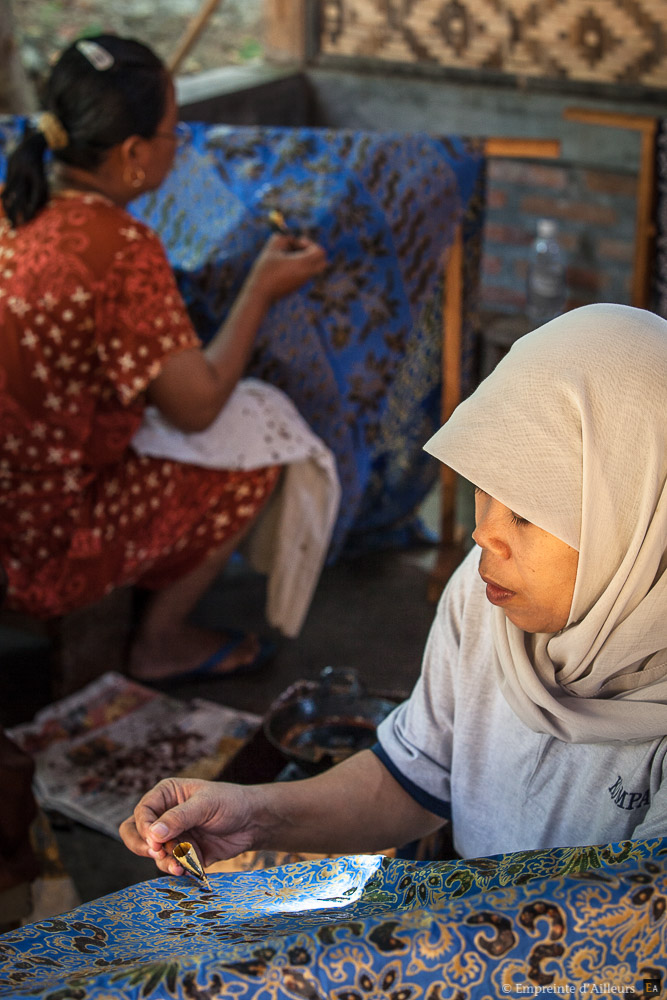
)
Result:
{"points": [[615, 42]]}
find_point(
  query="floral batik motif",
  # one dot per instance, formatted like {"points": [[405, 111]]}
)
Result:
{"points": [[577, 921]]}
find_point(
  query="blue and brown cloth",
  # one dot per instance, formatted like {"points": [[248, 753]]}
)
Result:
{"points": [[358, 350], [580, 921]]}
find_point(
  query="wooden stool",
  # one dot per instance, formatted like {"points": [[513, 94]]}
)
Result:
{"points": [[83, 644]]}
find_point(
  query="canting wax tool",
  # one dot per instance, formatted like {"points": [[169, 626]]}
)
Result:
{"points": [[186, 856], [278, 224]]}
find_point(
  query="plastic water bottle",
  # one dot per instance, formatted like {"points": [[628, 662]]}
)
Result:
{"points": [[546, 291]]}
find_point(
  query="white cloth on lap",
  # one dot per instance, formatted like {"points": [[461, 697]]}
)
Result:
{"points": [[260, 426]]}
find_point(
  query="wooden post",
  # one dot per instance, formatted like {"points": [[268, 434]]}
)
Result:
{"points": [[285, 30], [645, 230], [192, 33], [450, 550]]}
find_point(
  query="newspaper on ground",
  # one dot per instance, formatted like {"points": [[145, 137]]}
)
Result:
{"points": [[97, 751]]}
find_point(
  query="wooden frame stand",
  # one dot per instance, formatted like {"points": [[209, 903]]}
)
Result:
{"points": [[645, 228], [451, 548]]}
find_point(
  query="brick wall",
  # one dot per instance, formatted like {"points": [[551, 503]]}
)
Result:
{"points": [[595, 210], [590, 190]]}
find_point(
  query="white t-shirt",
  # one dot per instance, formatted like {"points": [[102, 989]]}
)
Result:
{"points": [[460, 750]]}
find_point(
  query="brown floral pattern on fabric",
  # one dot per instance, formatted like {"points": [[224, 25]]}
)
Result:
{"points": [[363, 928]]}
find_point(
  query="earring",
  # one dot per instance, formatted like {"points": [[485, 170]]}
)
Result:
{"points": [[135, 178]]}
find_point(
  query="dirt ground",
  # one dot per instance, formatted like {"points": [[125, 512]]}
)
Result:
{"points": [[233, 34]]}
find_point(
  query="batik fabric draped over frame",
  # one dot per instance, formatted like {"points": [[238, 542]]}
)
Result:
{"points": [[359, 350], [578, 921]]}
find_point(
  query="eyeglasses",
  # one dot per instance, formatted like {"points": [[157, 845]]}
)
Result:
{"points": [[181, 134]]}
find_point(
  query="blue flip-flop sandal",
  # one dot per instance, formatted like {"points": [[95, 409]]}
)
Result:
{"points": [[207, 669]]}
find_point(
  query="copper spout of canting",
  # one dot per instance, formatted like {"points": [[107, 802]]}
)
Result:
{"points": [[277, 222], [186, 856]]}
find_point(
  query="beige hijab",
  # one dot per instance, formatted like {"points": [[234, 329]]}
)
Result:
{"points": [[570, 432]]}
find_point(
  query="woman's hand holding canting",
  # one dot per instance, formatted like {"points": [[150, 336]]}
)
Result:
{"points": [[193, 386], [285, 264], [215, 817], [355, 806]]}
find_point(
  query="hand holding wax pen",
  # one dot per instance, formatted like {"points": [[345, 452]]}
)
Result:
{"points": [[287, 260], [187, 857], [278, 225]]}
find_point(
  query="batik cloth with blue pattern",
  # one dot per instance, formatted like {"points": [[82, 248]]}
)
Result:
{"points": [[358, 350], [576, 921]]}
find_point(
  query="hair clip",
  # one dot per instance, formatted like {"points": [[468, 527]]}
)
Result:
{"points": [[51, 128], [98, 57]]}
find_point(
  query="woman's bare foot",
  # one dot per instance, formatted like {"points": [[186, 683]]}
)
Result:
{"points": [[184, 650]]}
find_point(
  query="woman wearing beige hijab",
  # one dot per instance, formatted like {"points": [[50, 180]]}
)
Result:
{"points": [[540, 717]]}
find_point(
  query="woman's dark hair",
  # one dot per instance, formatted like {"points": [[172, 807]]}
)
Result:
{"points": [[99, 102]]}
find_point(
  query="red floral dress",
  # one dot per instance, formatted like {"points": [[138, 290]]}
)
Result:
{"points": [[89, 312]]}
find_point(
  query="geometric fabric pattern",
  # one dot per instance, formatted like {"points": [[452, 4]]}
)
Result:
{"points": [[609, 41]]}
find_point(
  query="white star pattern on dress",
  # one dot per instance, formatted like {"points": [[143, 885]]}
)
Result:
{"points": [[126, 362], [80, 296], [29, 339], [18, 306], [53, 402]]}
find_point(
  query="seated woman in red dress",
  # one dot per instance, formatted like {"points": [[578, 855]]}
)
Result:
{"points": [[93, 330]]}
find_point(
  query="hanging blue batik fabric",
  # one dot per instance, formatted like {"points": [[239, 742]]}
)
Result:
{"points": [[358, 350]]}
